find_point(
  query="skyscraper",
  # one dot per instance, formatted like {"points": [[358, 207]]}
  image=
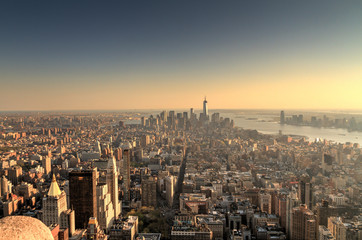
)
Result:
{"points": [[46, 164], [282, 117], [205, 109], [105, 212], [185, 116], [112, 182], [170, 189], [14, 174], [265, 202], [126, 174], [337, 228], [305, 191], [304, 226], [149, 194], [145, 140], [292, 202], [54, 204], [4, 186], [83, 195]]}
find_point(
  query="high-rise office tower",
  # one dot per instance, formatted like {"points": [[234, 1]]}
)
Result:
{"points": [[205, 109], [171, 119], [14, 174], [4, 186], [99, 149], [164, 117], [282, 117], [185, 116], [118, 154], [112, 182], [170, 189], [292, 202], [282, 210], [304, 226], [305, 191], [338, 228], [126, 174], [47, 165], [265, 202], [145, 140], [215, 117], [83, 195], [105, 212], [149, 194], [54, 204]]}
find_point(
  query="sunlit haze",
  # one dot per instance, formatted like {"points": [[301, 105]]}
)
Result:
{"points": [[87, 55]]}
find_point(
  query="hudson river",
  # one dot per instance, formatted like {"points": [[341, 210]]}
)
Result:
{"points": [[268, 122], [265, 124]]}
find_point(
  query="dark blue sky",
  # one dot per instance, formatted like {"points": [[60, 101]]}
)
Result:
{"points": [[153, 42]]}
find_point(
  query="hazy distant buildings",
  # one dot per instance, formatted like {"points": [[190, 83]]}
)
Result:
{"points": [[145, 140], [282, 117], [205, 109], [215, 117]]}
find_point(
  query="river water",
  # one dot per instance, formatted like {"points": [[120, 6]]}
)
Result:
{"points": [[267, 124]]}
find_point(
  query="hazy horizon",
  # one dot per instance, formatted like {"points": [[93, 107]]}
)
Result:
{"points": [[93, 55], [347, 111]]}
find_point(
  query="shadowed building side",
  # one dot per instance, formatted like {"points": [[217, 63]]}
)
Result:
{"points": [[83, 195]]}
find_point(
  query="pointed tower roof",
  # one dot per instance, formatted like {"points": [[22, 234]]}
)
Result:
{"points": [[54, 189]]}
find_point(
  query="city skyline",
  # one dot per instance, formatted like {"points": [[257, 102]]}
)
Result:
{"points": [[162, 55], [180, 120], [180, 175]]}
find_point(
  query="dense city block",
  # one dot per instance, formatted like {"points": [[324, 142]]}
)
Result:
{"points": [[175, 175]]}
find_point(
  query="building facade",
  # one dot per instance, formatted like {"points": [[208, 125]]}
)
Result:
{"points": [[83, 195]]}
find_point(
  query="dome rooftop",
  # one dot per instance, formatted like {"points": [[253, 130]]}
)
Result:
{"points": [[22, 227]]}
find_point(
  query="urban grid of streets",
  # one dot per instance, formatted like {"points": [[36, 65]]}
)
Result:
{"points": [[183, 176]]}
